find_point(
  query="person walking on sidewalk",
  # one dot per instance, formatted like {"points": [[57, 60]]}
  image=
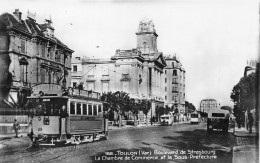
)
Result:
{"points": [[250, 121], [16, 127]]}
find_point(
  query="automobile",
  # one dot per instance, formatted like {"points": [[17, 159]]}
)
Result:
{"points": [[167, 119], [218, 119]]}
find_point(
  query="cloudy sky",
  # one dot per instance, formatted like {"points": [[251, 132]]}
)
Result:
{"points": [[212, 38]]}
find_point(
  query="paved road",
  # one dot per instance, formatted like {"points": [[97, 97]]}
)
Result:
{"points": [[178, 143]]}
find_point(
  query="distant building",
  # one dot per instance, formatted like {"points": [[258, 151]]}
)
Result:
{"points": [[208, 104], [250, 67], [174, 83], [39, 62]]}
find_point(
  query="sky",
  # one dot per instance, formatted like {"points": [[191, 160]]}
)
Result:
{"points": [[212, 38]]}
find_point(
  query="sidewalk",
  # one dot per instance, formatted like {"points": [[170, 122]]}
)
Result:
{"points": [[5, 136], [247, 147]]}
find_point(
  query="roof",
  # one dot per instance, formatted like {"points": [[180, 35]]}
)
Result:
{"points": [[218, 111], [28, 26], [8, 20]]}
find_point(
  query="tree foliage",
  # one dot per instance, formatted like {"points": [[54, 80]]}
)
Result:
{"points": [[190, 107], [243, 93], [145, 106], [117, 101], [163, 110]]}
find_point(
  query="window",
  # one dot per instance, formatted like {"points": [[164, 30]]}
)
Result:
{"points": [[126, 86], [43, 51], [165, 71], [172, 64], [22, 46], [165, 97], [79, 108], [95, 110], [43, 73], [165, 80], [174, 73], [75, 68], [91, 86], [74, 84], [174, 89], [84, 109], [57, 56], [99, 109], [89, 109], [174, 81], [72, 108], [165, 88], [105, 86]]}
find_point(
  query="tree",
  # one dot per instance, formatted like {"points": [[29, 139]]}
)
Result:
{"points": [[134, 107], [243, 96], [117, 101], [163, 110], [190, 106], [145, 106]]}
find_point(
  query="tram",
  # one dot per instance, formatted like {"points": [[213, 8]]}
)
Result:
{"points": [[68, 119]]}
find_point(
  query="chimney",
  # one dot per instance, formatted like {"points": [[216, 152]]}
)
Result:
{"points": [[18, 14]]}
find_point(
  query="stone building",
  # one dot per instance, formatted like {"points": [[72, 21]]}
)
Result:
{"points": [[39, 62], [208, 104], [138, 71], [174, 83]]}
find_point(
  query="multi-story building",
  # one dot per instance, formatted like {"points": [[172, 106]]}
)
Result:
{"points": [[174, 83], [138, 71], [39, 62], [208, 104]]}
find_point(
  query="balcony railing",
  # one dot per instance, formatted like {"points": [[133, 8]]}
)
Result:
{"points": [[84, 93]]}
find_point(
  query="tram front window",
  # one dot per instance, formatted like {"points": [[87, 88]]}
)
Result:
{"points": [[48, 106], [194, 115]]}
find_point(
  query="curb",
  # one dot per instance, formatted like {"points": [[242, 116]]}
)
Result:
{"points": [[143, 126]]}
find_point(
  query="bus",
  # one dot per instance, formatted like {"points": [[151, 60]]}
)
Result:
{"points": [[69, 119], [195, 118], [167, 119], [218, 119]]}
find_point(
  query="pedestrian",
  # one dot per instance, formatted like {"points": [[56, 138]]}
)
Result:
{"points": [[30, 130], [16, 127], [250, 121]]}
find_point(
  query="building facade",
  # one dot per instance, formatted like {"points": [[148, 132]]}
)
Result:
{"points": [[39, 62], [143, 72], [208, 104], [174, 83], [138, 71]]}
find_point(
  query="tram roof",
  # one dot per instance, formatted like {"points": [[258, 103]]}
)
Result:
{"points": [[43, 97]]}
